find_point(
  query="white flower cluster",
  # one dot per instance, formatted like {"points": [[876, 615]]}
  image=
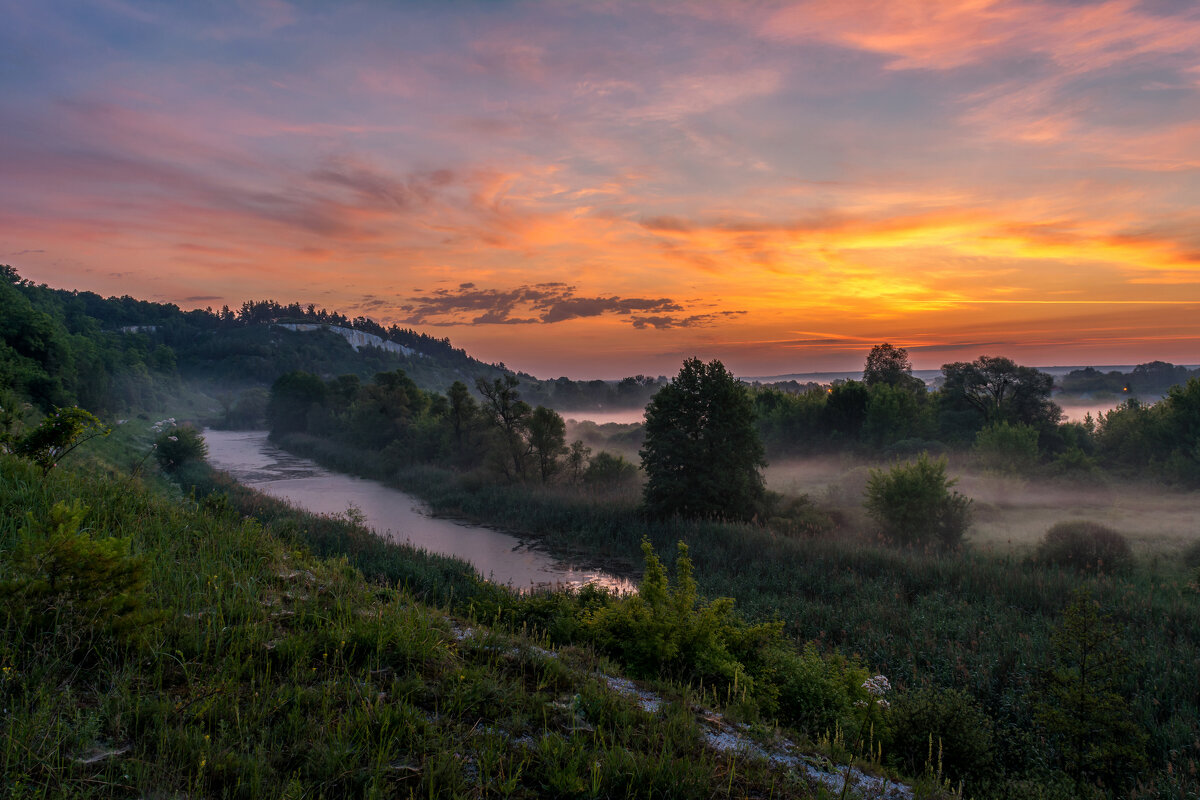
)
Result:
{"points": [[163, 424], [877, 687]]}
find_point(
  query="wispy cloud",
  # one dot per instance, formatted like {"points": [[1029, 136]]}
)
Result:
{"points": [[544, 303]]}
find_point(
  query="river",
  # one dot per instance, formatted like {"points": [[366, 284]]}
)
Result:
{"points": [[498, 556]]}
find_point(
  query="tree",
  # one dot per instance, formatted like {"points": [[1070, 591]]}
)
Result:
{"points": [[547, 441], [577, 460], [1083, 707], [509, 418], [888, 364], [914, 505], [846, 409], [1001, 390], [293, 395], [702, 454]]}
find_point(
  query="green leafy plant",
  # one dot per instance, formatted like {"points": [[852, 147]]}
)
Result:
{"points": [[1083, 707], [1085, 546], [958, 728], [914, 505], [1007, 447], [58, 434], [177, 446], [667, 628], [63, 576], [609, 469]]}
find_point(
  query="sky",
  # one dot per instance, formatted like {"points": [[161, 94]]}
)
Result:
{"points": [[600, 189]]}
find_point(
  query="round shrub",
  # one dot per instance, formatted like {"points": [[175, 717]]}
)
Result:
{"points": [[914, 505], [1085, 546], [1007, 448], [925, 725], [1191, 555], [178, 446], [609, 469]]}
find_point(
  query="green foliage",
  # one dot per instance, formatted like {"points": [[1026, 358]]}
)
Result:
{"points": [[887, 364], [1191, 555], [508, 417], [914, 505], [179, 446], [702, 454], [1083, 707], [609, 469], [578, 459], [1085, 546], [293, 396], [794, 515], [896, 413], [58, 434], [12, 416], [547, 434], [948, 722], [997, 389], [1007, 447], [814, 691], [845, 411], [59, 577], [667, 629]]}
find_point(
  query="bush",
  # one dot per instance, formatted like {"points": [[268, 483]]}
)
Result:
{"points": [[814, 692], [1191, 555], [944, 721], [1007, 448], [914, 505], [59, 434], [667, 628], [607, 469], [796, 516], [178, 446], [66, 579], [1085, 546]]}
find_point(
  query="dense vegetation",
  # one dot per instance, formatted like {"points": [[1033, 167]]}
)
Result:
{"points": [[114, 354], [999, 410], [1070, 673]]}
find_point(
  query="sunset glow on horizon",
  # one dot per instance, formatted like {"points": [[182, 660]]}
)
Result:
{"points": [[602, 189]]}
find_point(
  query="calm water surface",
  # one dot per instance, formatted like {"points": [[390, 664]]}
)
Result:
{"points": [[499, 557]]}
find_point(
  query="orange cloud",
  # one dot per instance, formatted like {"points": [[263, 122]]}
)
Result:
{"points": [[947, 34]]}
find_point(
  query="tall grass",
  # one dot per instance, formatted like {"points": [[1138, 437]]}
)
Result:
{"points": [[971, 620], [267, 671]]}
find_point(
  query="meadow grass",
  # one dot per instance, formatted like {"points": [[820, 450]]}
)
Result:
{"points": [[261, 669], [978, 620]]}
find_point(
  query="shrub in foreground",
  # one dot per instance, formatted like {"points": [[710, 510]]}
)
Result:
{"points": [[928, 727], [1085, 546], [914, 504], [179, 446]]}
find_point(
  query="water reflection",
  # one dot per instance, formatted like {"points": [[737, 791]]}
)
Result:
{"points": [[500, 557]]}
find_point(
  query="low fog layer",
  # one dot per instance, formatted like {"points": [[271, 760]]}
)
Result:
{"points": [[1012, 511]]}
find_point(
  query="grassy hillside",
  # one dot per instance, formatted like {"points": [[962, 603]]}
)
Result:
{"points": [[156, 645]]}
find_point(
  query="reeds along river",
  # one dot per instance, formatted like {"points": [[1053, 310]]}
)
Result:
{"points": [[499, 557]]}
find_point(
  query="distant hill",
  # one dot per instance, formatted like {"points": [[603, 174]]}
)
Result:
{"points": [[59, 346]]}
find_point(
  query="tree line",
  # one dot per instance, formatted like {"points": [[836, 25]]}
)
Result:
{"points": [[492, 430], [992, 406], [60, 347]]}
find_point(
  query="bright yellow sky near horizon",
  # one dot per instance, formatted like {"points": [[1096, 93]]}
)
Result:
{"points": [[597, 190]]}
